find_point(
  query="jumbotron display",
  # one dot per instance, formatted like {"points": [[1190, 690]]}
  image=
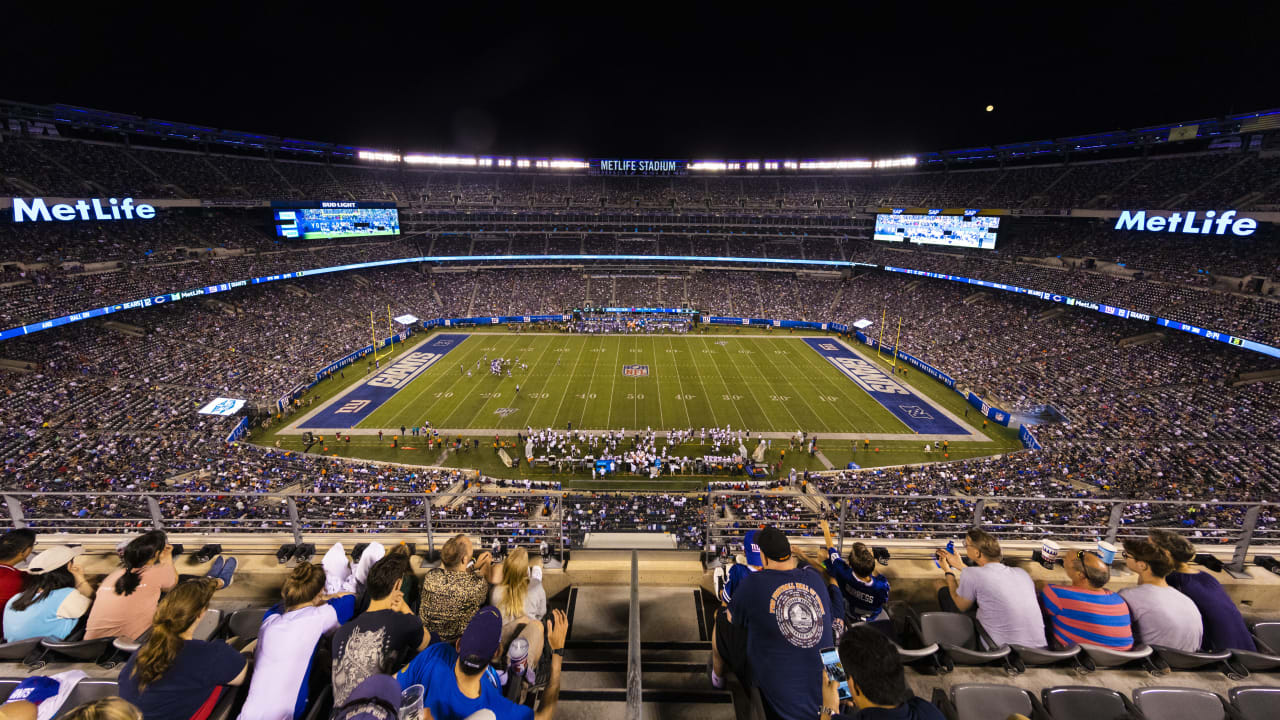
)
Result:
{"points": [[324, 220], [970, 231]]}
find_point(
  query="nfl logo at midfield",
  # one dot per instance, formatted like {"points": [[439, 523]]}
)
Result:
{"points": [[635, 371]]}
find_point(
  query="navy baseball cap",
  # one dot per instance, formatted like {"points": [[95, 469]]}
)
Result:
{"points": [[480, 641], [376, 698], [773, 544]]}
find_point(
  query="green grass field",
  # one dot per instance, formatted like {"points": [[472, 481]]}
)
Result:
{"points": [[778, 384], [769, 384]]}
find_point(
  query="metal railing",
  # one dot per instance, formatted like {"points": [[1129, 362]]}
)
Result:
{"points": [[532, 517], [929, 517], [635, 693]]}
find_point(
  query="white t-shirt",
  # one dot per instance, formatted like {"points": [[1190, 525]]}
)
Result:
{"points": [[1164, 616], [1007, 604], [285, 645]]}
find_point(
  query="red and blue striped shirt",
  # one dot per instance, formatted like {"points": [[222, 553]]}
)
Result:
{"points": [[1089, 616]]}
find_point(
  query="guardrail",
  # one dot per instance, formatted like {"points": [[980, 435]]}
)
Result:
{"points": [[927, 517], [531, 517]]}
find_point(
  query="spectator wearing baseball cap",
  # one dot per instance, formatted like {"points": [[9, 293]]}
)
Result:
{"points": [[56, 596], [747, 563], [458, 680], [779, 619], [377, 697]]}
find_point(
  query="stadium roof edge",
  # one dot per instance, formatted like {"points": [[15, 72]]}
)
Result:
{"points": [[116, 123]]}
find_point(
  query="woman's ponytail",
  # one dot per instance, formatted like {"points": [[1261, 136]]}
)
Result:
{"points": [[179, 610], [140, 551]]}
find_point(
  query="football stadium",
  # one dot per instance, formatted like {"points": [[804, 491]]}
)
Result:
{"points": [[474, 423]]}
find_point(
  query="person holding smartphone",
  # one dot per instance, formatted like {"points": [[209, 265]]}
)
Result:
{"points": [[874, 686]]}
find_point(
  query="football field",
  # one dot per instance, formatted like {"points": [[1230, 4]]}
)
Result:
{"points": [[772, 384]]}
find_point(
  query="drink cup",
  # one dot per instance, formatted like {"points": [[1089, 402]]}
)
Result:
{"points": [[1049, 551], [1107, 551], [411, 703]]}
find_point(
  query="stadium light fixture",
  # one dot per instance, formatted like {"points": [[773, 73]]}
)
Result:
{"points": [[562, 164], [378, 156], [835, 165], [442, 160]]}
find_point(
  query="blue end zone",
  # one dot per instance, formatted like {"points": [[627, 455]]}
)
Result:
{"points": [[364, 398], [895, 397]]}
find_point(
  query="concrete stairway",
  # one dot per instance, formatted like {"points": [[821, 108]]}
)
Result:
{"points": [[674, 646]]}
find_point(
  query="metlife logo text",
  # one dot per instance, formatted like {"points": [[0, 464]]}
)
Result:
{"points": [[1176, 222], [37, 210]]}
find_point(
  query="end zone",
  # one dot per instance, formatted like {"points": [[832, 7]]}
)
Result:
{"points": [[360, 400], [917, 413]]}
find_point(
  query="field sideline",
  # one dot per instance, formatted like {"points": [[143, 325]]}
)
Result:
{"points": [[773, 384]]}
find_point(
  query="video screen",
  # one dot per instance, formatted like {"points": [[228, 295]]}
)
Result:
{"points": [[970, 231], [321, 221]]}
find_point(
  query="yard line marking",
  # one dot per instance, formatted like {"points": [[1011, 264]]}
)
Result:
{"points": [[484, 405], [836, 405], [742, 423], [683, 397], [574, 372], [794, 420], [586, 395], [613, 386], [802, 397], [528, 420], [812, 360]]}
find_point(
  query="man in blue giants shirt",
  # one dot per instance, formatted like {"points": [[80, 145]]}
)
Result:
{"points": [[780, 618]]}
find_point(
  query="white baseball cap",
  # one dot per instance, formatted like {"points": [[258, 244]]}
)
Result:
{"points": [[52, 559]]}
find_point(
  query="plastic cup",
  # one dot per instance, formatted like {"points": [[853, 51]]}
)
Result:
{"points": [[411, 703], [1107, 551]]}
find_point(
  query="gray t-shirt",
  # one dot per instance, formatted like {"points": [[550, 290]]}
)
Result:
{"points": [[1164, 616], [1007, 604]]}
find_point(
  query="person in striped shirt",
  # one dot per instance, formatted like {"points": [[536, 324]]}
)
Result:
{"points": [[1085, 612]]}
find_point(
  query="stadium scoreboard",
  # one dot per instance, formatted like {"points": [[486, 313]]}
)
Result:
{"points": [[969, 230], [341, 219]]}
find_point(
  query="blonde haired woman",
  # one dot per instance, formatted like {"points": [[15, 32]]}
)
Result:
{"points": [[172, 676], [520, 598]]}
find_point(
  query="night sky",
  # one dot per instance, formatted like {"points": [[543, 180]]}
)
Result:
{"points": [[685, 81]]}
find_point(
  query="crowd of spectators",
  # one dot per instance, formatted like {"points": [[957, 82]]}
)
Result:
{"points": [[86, 415]]}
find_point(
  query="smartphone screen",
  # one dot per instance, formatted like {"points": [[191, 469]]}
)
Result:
{"points": [[835, 671]]}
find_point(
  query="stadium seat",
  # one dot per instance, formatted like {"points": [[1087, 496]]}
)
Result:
{"points": [[86, 691], [1268, 634], [208, 625], [1255, 702], [1108, 658], [961, 638], [1081, 702], [100, 651], [1182, 660], [242, 626], [19, 650], [1044, 657], [979, 701], [905, 655], [1266, 657], [128, 647], [1172, 703]]}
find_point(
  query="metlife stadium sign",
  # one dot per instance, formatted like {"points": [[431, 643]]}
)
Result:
{"points": [[37, 210], [1210, 224]]}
